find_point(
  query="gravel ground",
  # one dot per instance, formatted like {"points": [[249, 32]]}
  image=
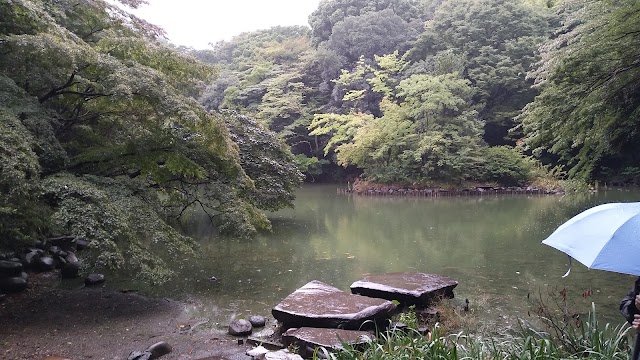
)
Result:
{"points": [[96, 323]]}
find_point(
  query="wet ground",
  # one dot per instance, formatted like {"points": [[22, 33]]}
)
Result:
{"points": [[98, 323]]}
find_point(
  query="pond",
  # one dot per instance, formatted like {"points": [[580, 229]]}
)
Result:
{"points": [[490, 244]]}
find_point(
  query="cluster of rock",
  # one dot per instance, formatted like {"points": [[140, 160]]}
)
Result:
{"points": [[320, 316], [243, 327], [46, 255], [437, 192]]}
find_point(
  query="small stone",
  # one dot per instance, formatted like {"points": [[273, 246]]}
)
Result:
{"points": [[282, 355], [257, 352], [159, 349], [94, 279], [82, 243], [133, 173], [257, 321], [240, 327], [10, 268]]}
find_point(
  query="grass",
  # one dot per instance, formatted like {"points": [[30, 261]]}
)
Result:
{"points": [[579, 340]]}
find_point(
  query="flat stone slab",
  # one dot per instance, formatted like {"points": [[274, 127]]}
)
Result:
{"points": [[319, 305], [408, 288], [308, 339]]}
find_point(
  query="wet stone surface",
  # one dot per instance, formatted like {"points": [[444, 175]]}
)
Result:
{"points": [[317, 304], [408, 288], [308, 339]]}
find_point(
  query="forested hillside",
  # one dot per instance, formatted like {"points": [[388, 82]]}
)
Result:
{"points": [[432, 91]]}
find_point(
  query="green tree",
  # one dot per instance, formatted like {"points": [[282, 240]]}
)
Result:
{"points": [[587, 112], [267, 160], [110, 141], [450, 132], [427, 131], [331, 12], [498, 40], [373, 33], [22, 158]]}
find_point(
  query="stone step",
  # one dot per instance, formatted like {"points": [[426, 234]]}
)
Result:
{"points": [[319, 305], [408, 288], [307, 340]]}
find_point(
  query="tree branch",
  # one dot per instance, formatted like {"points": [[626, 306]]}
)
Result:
{"points": [[54, 92]]}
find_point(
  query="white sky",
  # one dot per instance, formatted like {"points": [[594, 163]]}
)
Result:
{"points": [[196, 23]]}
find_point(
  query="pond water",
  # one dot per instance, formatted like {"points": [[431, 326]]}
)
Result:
{"points": [[490, 244]]}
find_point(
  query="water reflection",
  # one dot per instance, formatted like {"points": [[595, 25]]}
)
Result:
{"points": [[491, 245]]}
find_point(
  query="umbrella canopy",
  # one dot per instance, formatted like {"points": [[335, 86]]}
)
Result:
{"points": [[605, 237]]}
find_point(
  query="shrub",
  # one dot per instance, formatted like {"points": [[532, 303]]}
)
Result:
{"points": [[506, 165]]}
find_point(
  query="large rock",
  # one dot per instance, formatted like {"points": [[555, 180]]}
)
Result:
{"points": [[29, 259], [320, 305], [12, 284], [10, 268], [66, 243], [408, 288], [45, 263], [70, 267], [308, 339]]}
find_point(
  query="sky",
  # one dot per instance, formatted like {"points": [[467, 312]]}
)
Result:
{"points": [[196, 23]]}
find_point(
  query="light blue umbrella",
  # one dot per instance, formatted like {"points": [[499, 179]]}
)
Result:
{"points": [[604, 237]]}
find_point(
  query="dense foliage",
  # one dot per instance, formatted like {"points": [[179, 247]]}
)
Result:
{"points": [[101, 117], [587, 113], [418, 91], [102, 137], [401, 91]]}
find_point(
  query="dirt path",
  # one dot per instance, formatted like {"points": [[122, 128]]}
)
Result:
{"points": [[96, 323]]}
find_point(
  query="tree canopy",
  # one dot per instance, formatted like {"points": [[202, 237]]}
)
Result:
{"points": [[103, 137], [588, 110], [497, 40], [331, 12]]}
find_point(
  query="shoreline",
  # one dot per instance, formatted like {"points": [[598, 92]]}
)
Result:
{"points": [[396, 190]]}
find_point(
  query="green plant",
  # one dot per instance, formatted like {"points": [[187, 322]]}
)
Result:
{"points": [[577, 340], [506, 165]]}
